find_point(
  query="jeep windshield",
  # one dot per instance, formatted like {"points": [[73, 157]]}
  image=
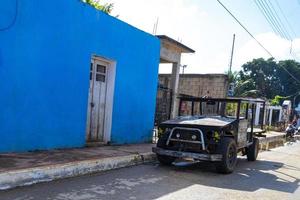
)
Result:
{"points": [[209, 108]]}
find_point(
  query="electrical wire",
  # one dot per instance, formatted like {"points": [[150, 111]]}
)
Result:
{"points": [[14, 18], [274, 21], [273, 18], [279, 20], [285, 18], [267, 51], [244, 28], [271, 23], [290, 27]]}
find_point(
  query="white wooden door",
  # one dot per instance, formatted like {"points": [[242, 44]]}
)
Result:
{"points": [[97, 100]]}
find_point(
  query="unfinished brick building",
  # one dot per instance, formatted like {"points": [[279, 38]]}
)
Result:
{"points": [[197, 85]]}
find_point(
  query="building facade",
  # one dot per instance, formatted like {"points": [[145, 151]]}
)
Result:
{"points": [[72, 75]]}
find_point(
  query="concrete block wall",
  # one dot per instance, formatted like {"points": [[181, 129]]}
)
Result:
{"points": [[214, 85]]}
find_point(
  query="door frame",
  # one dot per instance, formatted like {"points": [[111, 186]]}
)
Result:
{"points": [[109, 99]]}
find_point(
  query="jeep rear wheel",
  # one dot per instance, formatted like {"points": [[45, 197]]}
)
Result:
{"points": [[252, 150], [161, 143], [228, 150]]}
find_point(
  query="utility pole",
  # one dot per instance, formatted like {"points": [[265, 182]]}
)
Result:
{"points": [[231, 83], [183, 67], [232, 50]]}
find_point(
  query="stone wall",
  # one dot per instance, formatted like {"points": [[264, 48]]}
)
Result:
{"points": [[213, 85]]}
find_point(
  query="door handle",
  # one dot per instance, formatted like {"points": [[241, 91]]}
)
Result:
{"points": [[92, 104]]}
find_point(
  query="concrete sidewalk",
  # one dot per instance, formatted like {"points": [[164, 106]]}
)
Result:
{"points": [[22, 169]]}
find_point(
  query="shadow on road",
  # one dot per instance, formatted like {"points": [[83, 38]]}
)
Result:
{"points": [[249, 176]]}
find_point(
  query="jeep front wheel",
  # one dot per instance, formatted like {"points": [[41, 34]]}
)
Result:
{"points": [[165, 160], [161, 143], [228, 150]]}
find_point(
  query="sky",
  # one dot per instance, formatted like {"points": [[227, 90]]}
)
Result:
{"points": [[206, 27]]}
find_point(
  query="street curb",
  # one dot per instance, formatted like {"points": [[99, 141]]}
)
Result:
{"points": [[24, 177], [272, 142]]}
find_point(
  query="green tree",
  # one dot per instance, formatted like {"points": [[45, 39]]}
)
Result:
{"points": [[289, 85], [107, 7], [232, 76], [259, 78], [269, 79], [277, 100]]}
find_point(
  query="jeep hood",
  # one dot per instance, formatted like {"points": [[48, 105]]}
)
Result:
{"points": [[216, 121]]}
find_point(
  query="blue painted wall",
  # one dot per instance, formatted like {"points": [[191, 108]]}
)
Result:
{"points": [[44, 74]]}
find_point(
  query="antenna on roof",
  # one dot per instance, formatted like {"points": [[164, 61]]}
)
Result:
{"points": [[179, 40], [155, 26], [183, 67]]}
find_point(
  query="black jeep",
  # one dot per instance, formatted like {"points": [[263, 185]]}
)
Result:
{"points": [[210, 129]]}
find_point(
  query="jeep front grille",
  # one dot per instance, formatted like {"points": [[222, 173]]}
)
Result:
{"points": [[184, 135]]}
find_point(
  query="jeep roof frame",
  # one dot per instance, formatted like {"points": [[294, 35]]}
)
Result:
{"points": [[238, 100]]}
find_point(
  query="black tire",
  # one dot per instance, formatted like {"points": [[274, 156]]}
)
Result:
{"points": [[228, 150], [165, 160], [252, 150], [161, 143]]}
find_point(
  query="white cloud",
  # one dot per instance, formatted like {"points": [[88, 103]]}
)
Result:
{"points": [[180, 19], [174, 16], [200, 29], [279, 47]]}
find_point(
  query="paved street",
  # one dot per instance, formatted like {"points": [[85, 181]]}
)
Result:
{"points": [[275, 176]]}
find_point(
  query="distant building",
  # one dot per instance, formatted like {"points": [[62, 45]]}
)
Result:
{"points": [[287, 111]]}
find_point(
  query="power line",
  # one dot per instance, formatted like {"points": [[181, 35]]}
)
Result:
{"points": [[275, 22], [267, 17], [270, 14], [290, 27], [279, 20], [287, 21], [229, 12], [244, 28]]}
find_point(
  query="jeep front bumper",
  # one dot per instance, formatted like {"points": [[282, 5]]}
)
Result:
{"points": [[180, 154]]}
